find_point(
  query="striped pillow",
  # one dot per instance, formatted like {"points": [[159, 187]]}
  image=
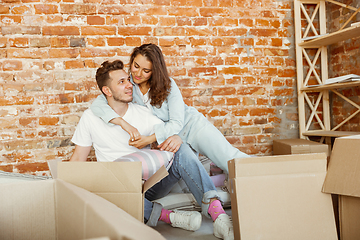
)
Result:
{"points": [[151, 160]]}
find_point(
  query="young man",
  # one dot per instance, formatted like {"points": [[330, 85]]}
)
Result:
{"points": [[111, 142]]}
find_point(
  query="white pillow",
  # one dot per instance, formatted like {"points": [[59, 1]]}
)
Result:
{"points": [[151, 160]]}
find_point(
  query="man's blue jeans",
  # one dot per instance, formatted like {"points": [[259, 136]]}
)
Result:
{"points": [[187, 166]]}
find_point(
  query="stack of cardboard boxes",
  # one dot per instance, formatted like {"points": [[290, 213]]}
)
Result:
{"points": [[272, 197]]}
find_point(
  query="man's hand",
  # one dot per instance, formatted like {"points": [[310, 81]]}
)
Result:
{"points": [[132, 131], [171, 144]]}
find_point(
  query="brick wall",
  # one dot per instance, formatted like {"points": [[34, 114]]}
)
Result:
{"points": [[344, 58], [234, 61]]}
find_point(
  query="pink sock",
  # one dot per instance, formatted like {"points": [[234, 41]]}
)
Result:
{"points": [[165, 215], [215, 209]]}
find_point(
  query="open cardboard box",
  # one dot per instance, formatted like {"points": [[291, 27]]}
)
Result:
{"points": [[343, 178], [118, 182], [279, 197], [55, 209]]}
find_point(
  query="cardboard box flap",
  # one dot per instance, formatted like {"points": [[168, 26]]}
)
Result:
{"points": [[100, 177], [276, 165], [102, 217], [343, 175], [155, 178]]}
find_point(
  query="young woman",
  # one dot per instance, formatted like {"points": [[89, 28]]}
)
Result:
{"points": [[154, 89]]}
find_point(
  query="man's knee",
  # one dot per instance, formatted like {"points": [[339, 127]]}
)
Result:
{"points": [[186, 156]]}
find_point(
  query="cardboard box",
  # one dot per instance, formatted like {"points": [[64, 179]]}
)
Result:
{"points": [[279, 197], [298, 146], [118, 182], [343, 178], [54, 209]]}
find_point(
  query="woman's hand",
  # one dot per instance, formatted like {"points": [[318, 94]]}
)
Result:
{"points": [[133, 132], [142, 141], [171, 144]]}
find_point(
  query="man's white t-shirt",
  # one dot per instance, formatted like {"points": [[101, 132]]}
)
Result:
{"points": [[111, 141]]}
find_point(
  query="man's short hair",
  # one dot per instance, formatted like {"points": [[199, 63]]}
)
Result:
{"points": [[102, 73]]}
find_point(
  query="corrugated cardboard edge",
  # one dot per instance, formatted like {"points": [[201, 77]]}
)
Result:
{"points": [[343, 171], [278, 164]]}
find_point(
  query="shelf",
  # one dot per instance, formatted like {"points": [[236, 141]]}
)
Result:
{"points": [[331, 38], [323, 133], [331, 86]]}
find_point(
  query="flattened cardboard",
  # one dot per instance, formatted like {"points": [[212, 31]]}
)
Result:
{"points": [[279, 197], [298, 146], [349, 214], [54, 209], [343, 176], [118, 182]]}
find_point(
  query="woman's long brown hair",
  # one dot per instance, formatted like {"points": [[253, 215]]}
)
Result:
{"points": [[159, 81]]}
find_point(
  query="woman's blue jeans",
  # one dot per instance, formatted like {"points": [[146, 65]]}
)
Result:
{"points": [[187, 166]]}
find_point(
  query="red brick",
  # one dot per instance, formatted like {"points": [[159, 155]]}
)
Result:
{"points": [[287, 73], [40, 42], [54, 19], [74, 64], [224, 91], [169, 31], [12, 65], [31, 167], [263, 32], [202, 71], [198, 41], [233, 70], [78, 9], [21, 9], [14, 100], [4, 9], [240, 112], [261, 111], [132, 41], [166, 21], [46, 9], [193, 31], [96, 42], [98, 30], [59, 42], [61, 30], [131, 31], [212, 12], [132, 20], [28, 53], [97, 52], [48, 120], [95, 20], [149, 20], [19, 42], [183, 21], [115, 41], [113, 10], [64, 53], [183, 12], [232, 31], [11, 30]]}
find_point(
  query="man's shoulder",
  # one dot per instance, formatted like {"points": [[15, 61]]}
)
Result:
{"points": [[88, 115]]}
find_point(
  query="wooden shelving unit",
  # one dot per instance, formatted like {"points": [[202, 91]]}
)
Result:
{"points": [[312, 65]]}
